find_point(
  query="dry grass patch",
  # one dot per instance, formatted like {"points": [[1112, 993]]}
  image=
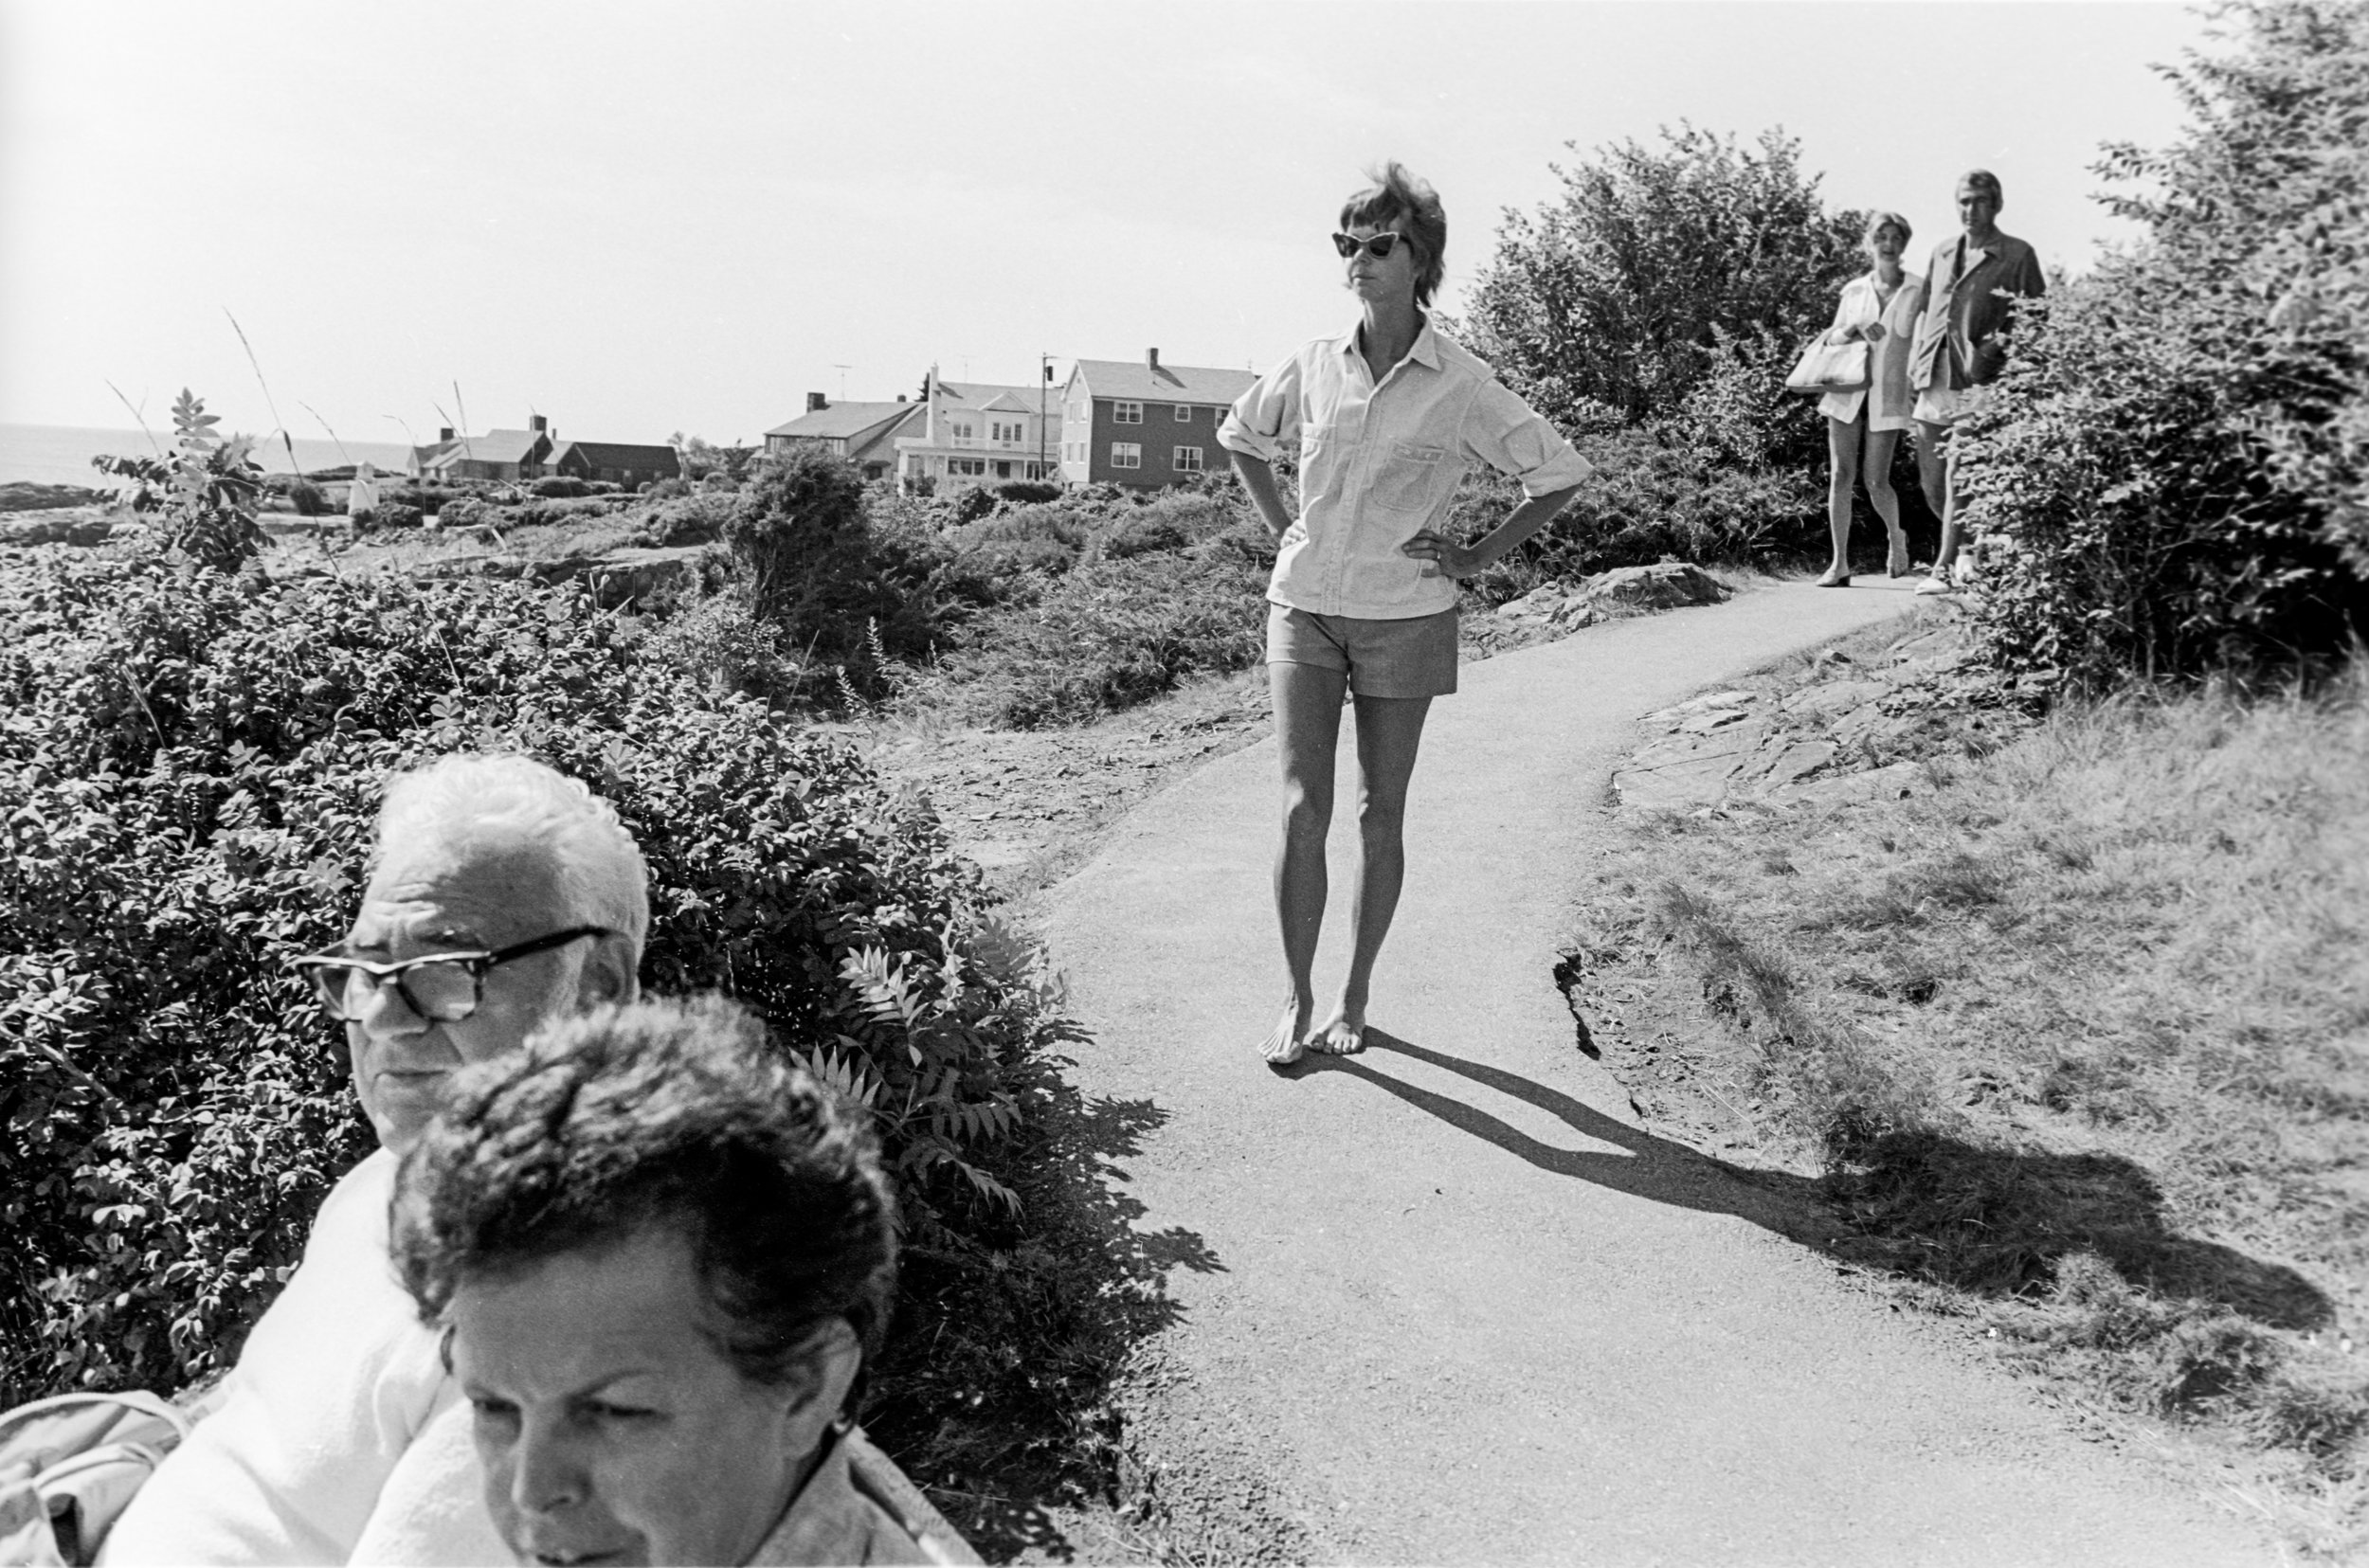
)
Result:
{"points": [[2079, 1043]]}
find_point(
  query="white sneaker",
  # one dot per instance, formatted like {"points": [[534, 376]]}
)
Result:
{"points": [[1935, 584]]}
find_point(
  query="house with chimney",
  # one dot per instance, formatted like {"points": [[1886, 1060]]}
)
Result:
{"points": [[504, 455], [975, 432], [864, 433], [1143, 424]]}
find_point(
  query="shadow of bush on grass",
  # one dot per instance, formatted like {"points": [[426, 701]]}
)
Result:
{"points": [[1009, 1420], [1998, 1222]]}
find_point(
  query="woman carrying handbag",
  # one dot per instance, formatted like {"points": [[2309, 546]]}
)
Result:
{"points": [[1879, 310]]}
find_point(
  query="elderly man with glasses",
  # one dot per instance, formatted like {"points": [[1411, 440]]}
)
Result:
{"points": [[501, 895]]}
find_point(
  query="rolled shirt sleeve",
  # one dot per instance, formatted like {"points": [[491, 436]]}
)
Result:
{"points": [[1515, 439], [1266, 416]]}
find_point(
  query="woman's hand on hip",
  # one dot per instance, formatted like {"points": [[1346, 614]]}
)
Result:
{"points": [[1454, 560]]}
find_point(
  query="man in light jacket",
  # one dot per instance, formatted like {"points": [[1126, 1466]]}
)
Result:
{"points": [[1971, 287], [501, 894]]}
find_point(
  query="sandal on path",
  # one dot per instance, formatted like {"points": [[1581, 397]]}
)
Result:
{"points": [[1832, 580], [1898, 565]]}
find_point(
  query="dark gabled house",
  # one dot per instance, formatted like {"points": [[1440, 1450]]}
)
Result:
{"points": [[627, 463]]}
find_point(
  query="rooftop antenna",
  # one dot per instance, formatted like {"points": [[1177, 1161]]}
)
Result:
{"points": [[843, 370]]}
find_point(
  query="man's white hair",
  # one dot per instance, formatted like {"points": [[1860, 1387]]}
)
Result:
{"points": [[471, 798]]}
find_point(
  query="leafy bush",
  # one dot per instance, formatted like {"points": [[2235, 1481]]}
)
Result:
{"points": [[721, 642], [202, 494], [191, 762], [1607, 305], [2170, 477], [1119, 632], [691, 519], [560, 486], [387, 518], [804, 545], [308, 498], [464, 511]]}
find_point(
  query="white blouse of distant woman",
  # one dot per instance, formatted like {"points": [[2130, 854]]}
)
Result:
{"points": [[1880, 308]]}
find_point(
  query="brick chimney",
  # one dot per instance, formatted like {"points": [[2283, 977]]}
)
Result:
{"points": [[537, 424], [445, 434], [1151, 360], [816, 402]]}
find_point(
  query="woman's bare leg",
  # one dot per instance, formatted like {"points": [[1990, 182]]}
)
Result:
{"points": [[1308, 726], [1842, 454], [1878, 473], [1389, 731]]}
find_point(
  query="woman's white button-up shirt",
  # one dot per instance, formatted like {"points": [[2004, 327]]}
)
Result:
{"points": [[1378, 462], [1888, 361]]}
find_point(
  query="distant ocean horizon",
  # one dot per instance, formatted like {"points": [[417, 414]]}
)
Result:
{"points": [[58, 454]]}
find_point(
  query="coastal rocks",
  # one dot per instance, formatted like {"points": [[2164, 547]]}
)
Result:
{"points": [[29, 496], [1608, 595], [56, 528], [638, 574], [1840, 731]]}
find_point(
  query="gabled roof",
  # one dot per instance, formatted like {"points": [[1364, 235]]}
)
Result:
{"points": [[957, 397], [615, 453], [843, 421], [423, 456], [492, 446], [1137, 382]]}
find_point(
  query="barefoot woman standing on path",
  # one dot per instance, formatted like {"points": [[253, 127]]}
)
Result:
{"points": [[1387, 416]]}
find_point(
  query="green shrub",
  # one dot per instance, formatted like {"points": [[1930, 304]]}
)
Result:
{"points": [[691, 519], [798, 532], [561, 487], [191, 762], [202, 495], [1119, 632], [308, 498], [1606, 306], [2170, 477], [387, 518], [463, 511]]}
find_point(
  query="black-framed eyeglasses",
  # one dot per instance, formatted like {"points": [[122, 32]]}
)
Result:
{"points": [[440, 987], [1379, 247]]}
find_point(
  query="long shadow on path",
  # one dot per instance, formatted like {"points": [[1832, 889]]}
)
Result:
{"points": [[2010, 1215]]}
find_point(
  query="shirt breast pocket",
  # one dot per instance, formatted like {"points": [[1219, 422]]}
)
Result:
{"points": [[1406, 476]]}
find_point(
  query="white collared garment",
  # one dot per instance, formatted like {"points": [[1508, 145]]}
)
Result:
{"points": [[333, 1385], [1380, 462], [1888, 361]]}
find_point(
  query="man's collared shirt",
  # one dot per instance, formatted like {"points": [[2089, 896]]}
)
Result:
{"points": [[1964, 309], [1380, 462]]}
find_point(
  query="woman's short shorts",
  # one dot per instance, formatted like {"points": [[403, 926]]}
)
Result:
{"points": [[1412, 658]]}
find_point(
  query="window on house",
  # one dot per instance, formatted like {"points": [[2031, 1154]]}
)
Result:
{"points": [[1188, 460], [1127, 453], [1183, 413], [968, 467], [1127, 413]]}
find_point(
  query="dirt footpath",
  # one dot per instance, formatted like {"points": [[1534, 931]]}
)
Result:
{"points": [[1462, 1308]]}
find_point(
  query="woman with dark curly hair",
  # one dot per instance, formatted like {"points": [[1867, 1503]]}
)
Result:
{"points": [[660, 1254], [1386, 417]]}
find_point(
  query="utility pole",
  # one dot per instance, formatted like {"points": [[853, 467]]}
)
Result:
{"points": [[1044, 384]]}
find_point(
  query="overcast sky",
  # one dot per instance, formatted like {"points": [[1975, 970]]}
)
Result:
{"points": [[639, 219]]}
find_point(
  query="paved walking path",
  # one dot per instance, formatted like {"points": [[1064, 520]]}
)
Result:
{"points": [[1462, 1309]]}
